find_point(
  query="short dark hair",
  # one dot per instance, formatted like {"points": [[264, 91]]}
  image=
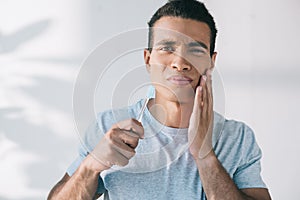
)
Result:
{"points": [[187, 9]]}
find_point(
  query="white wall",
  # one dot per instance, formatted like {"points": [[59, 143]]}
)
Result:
{"points": [[43, 43]]}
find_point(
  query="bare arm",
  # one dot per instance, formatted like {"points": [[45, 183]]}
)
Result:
{"points": [[81, 185], [218, 184], [115, 148], [216, 181]]}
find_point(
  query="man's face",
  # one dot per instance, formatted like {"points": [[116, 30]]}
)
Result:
{"points": [[180, 55]]}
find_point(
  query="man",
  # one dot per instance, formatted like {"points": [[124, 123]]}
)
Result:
{"points": [[147, 159]]}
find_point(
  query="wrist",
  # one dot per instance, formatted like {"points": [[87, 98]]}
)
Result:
{"points": [[93, 165], [202, 153], [207, 160]]}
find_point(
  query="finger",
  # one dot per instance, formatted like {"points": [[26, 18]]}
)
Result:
{"points": [[203, 80], [126, 154], [129, 138], [109, 151], [209, 91], [209, 103], [198, 100], [124, 149], [195, 116], [132, 125], [204, 96], [201, 84], [118, 143]]}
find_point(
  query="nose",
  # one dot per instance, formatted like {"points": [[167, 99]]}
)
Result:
{"points": [[180, 64]]}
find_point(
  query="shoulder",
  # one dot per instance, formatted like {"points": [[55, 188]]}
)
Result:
{"points": [[233, 129], [239, 131], [236, 137]]}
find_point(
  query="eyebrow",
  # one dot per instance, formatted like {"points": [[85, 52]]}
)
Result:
{"points": [[198, 44], [166, 42], [191, 44]]}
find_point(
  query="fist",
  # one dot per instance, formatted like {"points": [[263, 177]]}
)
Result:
{"points": [[118, 145]]}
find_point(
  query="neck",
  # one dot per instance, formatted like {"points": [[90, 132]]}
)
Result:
{"points": [[171, 113]]}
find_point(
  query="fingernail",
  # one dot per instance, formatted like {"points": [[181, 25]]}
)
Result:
{"points": [[204, 77], [200, 88]]}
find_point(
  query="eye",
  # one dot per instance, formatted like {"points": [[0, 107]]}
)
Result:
{"points": [[167, 48], [197, 51]]}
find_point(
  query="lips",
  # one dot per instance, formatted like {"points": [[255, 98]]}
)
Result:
{"points": [[180, 80]]}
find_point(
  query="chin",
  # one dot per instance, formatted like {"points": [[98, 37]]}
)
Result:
{"points": [[175, 93], [180, 96]]}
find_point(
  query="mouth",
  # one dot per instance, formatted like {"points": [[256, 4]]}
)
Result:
{"points": [[180, 80]]}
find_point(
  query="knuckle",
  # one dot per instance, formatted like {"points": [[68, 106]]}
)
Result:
{"points": [[130, 153], [112, 133], [124, 162], [108, 136], [131, 122], [136, 142], [133, 154], [142, 130]]}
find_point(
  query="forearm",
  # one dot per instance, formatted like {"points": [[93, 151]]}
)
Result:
{"points": [[81, 185], [216, 181]]}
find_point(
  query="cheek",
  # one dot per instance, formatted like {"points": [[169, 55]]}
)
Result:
{"points": [[158, 65], [201, 65], [157, 73], [160, 59]]}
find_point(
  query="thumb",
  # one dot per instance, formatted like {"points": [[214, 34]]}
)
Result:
{"points": [[197, 104]]}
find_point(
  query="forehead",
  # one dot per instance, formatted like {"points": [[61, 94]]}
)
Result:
{"points": [[182, 30]]}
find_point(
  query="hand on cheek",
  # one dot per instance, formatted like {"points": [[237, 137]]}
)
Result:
{"points": [[201, 121]]}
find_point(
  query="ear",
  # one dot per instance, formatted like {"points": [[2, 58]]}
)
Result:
{"points": [[213, 60], [147, 59]]}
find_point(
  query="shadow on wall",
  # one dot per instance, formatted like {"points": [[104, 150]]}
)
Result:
{"points": [[42, 143], [37, 135], [9, 43]]}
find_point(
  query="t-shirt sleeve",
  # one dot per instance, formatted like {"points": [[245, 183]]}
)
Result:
{"points": [[87, 144], [248, 174]]}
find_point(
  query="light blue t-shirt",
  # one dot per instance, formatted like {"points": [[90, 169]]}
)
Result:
{"points": [[163, 168]]}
